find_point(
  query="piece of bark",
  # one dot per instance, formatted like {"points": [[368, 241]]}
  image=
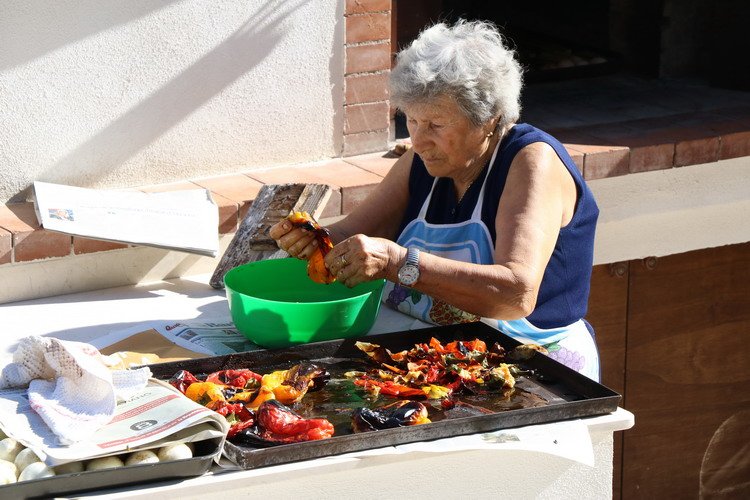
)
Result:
{"points": [[251, 242]]}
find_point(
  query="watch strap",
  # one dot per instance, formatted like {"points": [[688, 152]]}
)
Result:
{"points": [[408, 275], [412, 256]]}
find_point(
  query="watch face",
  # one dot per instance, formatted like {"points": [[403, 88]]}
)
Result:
{"points": [[408, 275]]}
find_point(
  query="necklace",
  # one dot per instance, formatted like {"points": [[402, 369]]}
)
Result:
{"points": [[460, 199], [468, 188], [479, 174]]}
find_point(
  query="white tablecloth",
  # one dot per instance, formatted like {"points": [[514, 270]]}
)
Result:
{"points": [[570, 459]]}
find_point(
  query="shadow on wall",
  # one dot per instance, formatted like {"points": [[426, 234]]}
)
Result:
{"points": [[24, 35], [212, 73]]}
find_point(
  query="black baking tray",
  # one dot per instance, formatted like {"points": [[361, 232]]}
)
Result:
{"points": [[82, 482], [569, 394]]}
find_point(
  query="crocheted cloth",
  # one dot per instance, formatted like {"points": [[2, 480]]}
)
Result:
{"points": [[70, 386]]}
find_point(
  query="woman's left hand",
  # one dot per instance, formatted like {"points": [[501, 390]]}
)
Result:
{"points": [[360, 258]]}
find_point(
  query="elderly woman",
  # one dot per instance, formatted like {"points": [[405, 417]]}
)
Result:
{"points": [[483, 219]]}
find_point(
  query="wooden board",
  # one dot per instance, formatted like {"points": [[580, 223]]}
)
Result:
{"points": [[251, 242], [688, 373], [608, 315], [608, 309]]}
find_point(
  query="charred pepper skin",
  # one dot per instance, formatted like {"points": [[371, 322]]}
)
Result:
{"points": [[398, 414]]}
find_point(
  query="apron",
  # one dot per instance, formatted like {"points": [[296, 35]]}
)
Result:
{"points": [[471, 241]]}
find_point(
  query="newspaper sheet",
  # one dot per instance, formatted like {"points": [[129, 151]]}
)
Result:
{"points": [[213, 336], [177, 220], [157, 416], [172, 340]]}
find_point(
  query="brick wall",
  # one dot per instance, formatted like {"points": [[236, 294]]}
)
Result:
{"points": [[368, 63]]}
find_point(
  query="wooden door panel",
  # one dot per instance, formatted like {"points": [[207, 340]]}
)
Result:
{"points": [[608, 315], [688, 374]]}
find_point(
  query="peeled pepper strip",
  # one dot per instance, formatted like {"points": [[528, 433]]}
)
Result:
{"points": [[316, 268], [265, 394]]}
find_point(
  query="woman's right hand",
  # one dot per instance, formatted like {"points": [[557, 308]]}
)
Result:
{"points": [[297, 242]]}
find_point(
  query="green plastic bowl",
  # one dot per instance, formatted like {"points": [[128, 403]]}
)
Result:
{"points": [[275, 304]]}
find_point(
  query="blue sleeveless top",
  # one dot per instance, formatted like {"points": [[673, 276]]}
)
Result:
{"points": [[563, 295]]}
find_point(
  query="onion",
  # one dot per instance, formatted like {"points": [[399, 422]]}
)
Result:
{"points": [[25, 458], [8, 472], [69, 468], [9, 448], [104, 463], [176, 451], [37, 470], [142, 457]]}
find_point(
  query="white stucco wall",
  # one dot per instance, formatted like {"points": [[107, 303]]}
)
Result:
{"points": [[106, 93]]}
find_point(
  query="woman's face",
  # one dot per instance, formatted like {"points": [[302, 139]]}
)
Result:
{"points": [[448, 143]]}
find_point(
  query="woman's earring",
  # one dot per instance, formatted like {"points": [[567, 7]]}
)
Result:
{"points": [[494, 129]]}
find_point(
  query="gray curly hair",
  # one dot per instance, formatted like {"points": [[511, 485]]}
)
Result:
{"points": [[469, 62]]}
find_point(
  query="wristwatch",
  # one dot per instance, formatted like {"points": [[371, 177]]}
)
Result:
{"points": [[409, 272]]}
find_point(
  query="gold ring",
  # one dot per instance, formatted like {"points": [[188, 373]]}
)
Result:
{"points": [[344, 262]]}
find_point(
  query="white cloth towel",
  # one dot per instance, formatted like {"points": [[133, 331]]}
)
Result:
{"points": [[70, 386]]}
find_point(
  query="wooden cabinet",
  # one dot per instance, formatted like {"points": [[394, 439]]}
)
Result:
{"points": [[673, 334], [608, 314]]}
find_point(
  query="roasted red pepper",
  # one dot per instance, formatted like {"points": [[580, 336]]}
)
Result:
{"points": [[390, 388], [238, 416], [237, 409], [236, 378], [439, 370], [279, 424], [246, 398], [182, 380], [238, 427]]}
